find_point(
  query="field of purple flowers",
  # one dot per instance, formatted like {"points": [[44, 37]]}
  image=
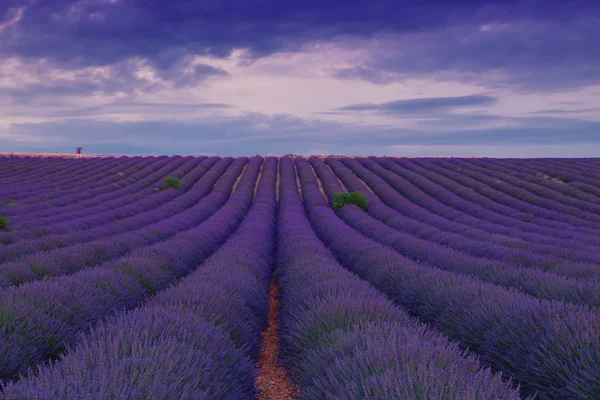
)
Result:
{"points": [[462, 279]]}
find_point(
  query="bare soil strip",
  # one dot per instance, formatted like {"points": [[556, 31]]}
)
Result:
{"points": [[262, 166], [239, 178], [318, 182], [344, 188], [365, 183], [273, 380], [298, 182]]}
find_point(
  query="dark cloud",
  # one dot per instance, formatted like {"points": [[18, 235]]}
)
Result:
{"points": [[424, 105], [523, 45], [100, 32], [121, 78], [528, 44], [527, 55], [179, 69]]}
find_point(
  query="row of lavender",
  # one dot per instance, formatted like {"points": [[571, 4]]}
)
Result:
{"points": [[341, 338], [26, 222], [139, 180], [585, 252], [86, 216], [544, 202], [40, 318], [532, 278], [446, 245], [534, 172], [428, 197], [487, 240], [197, 340], [148, 174], [314, 384], [122, 218], [28, 187], [200, 339], [79, 249], [547, 346], [401, 177]]}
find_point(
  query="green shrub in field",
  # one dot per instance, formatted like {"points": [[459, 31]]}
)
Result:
{"points": [[356, 198], [3, 224], [171, 182]]}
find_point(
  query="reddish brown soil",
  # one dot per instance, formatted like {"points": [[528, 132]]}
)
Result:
{"points": [[273, 380], [262, 166], [239, 178], [318, 182]]}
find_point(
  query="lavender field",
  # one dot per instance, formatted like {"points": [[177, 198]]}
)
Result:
{"points": [[464, 278]]}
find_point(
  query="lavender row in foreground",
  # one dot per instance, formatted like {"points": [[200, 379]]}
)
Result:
{"points": [[550, 347], [39, 319], [197, 340], [342, 339]]}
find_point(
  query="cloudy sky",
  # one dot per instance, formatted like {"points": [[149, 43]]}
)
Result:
{"points": [[357, 77]]}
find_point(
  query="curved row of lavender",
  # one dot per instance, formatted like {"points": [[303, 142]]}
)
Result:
{"points": [[456, 203], [200, 339], [88, 216], [502, 195], [133, 180], [524, 272], [144, 175], [63, 181], [197, 340], [500, 256], [543, 201], [143, 229], [128, 181], [110, 216], [414, 197], [343, 339], [482, 240], [40, 318], [549, 347]]}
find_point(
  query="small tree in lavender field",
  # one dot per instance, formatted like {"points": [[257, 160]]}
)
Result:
{"points": [[3, 223], [356, 198], [171, 182]]}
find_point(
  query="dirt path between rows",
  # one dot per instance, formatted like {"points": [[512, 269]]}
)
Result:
{"points": [[273, 380]]}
